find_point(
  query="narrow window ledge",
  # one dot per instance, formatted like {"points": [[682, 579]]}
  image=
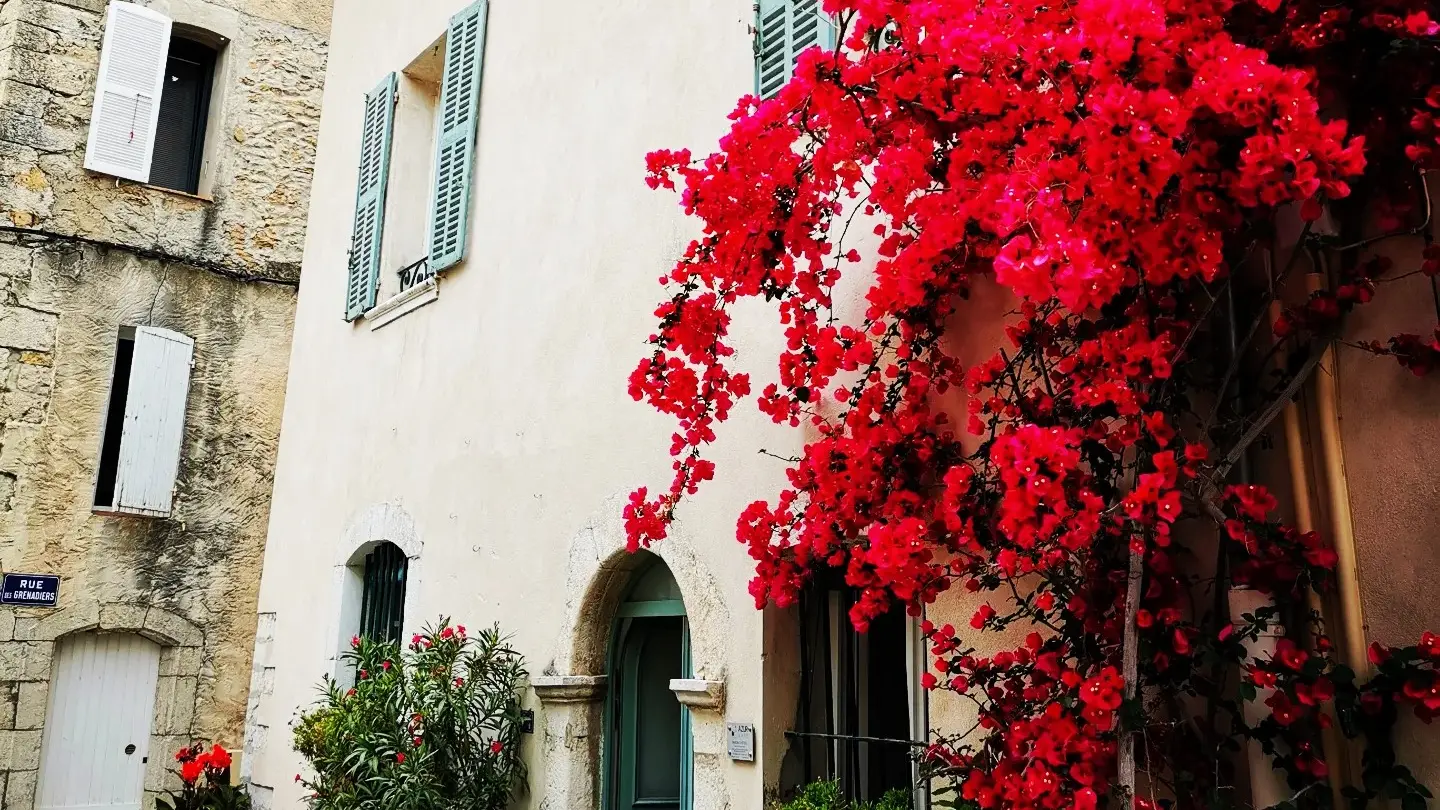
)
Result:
{"points": [[699, 694], [403, 303], [178, 193], [569, 688]]}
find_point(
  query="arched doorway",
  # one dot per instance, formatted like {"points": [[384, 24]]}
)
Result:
{"points": [[98, 723], [648, 750]]}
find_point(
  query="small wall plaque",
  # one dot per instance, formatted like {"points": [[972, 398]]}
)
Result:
{"points": [[741, 745], [31, 590]]}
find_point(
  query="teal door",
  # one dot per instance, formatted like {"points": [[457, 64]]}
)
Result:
{"points": [[651, 719], [648, 746]]}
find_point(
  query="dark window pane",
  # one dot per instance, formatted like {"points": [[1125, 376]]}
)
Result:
{"points": [[114, 421], [184, 107], [382, 604]]}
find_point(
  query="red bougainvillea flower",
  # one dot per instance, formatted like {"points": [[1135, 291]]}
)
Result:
{"points": [[496, 747]]}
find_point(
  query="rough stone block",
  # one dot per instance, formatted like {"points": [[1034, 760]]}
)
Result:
{"points": [[128, 618], [25, 628], [15, 260], [171, 629], [7, 617], [9, 693], [73, 619], [16, 446], [66, 75], [33, 379], [26, 99], [31, 704], [162, 758], [75, 26], [174, 705], [25, 328], [20, 750], [95, 6], [20, 790], [24, 34], [12, 660], [36, 661]]}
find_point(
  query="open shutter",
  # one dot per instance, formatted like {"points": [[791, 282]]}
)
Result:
{"points": [[364, 272], [127, 92], [455, 140], [809, 26], [772, 42], [154, 421], [784, 29]]}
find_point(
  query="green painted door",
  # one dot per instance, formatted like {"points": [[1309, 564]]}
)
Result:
{"points": [[651, 724]]}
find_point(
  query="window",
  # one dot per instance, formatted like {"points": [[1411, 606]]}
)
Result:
{"points": [[783, 30], [428, 112], [152, 99], [144, 422], [184, 110], [862, 714], [382, 602]]}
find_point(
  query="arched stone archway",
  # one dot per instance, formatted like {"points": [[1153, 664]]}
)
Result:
{"points": [[181, 655], [573, 687], [378, 523]]}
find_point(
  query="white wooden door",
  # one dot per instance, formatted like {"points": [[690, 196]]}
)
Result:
{"points": [[102, 695]]}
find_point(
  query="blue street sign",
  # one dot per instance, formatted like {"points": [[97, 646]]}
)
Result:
{"points": [[32, 590]]}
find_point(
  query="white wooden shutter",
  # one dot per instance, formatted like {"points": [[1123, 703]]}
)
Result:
{"points": [[363, 278], [455, 138], [101, 701], [127, 92], [154, 422]]}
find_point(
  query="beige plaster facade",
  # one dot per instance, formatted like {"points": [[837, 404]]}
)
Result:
{"points": [[83, 254], [489, 435]]}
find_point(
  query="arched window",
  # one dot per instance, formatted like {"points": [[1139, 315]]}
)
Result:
{"points": [[382, 602]]}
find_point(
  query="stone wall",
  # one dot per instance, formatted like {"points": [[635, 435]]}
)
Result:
{"points": [[82, 255]]}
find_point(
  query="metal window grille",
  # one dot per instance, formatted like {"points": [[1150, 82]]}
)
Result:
{"points": [[841, 685], [382, 607]]}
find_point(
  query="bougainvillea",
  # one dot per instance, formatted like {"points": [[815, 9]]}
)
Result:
{"points": [[1121, 168]]}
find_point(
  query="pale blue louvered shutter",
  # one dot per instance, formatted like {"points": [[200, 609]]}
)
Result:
{"points": [[455, 138], [772, 43], [809, 26], [365, 239], [785, 28]]}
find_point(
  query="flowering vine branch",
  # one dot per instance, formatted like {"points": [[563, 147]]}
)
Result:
{"points": [[1116, 167]]}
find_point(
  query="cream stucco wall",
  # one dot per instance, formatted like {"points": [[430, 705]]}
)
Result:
{"points": [[496, 419]]}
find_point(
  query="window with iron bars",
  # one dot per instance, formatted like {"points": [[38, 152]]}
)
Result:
{"points": [[382, 604], [862, 716]]}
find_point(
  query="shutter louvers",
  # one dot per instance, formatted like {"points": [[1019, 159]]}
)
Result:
{"points": [[127, 92], [455, 138], [806, 25], [772, 34], [363, 278], [154, 425]]}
